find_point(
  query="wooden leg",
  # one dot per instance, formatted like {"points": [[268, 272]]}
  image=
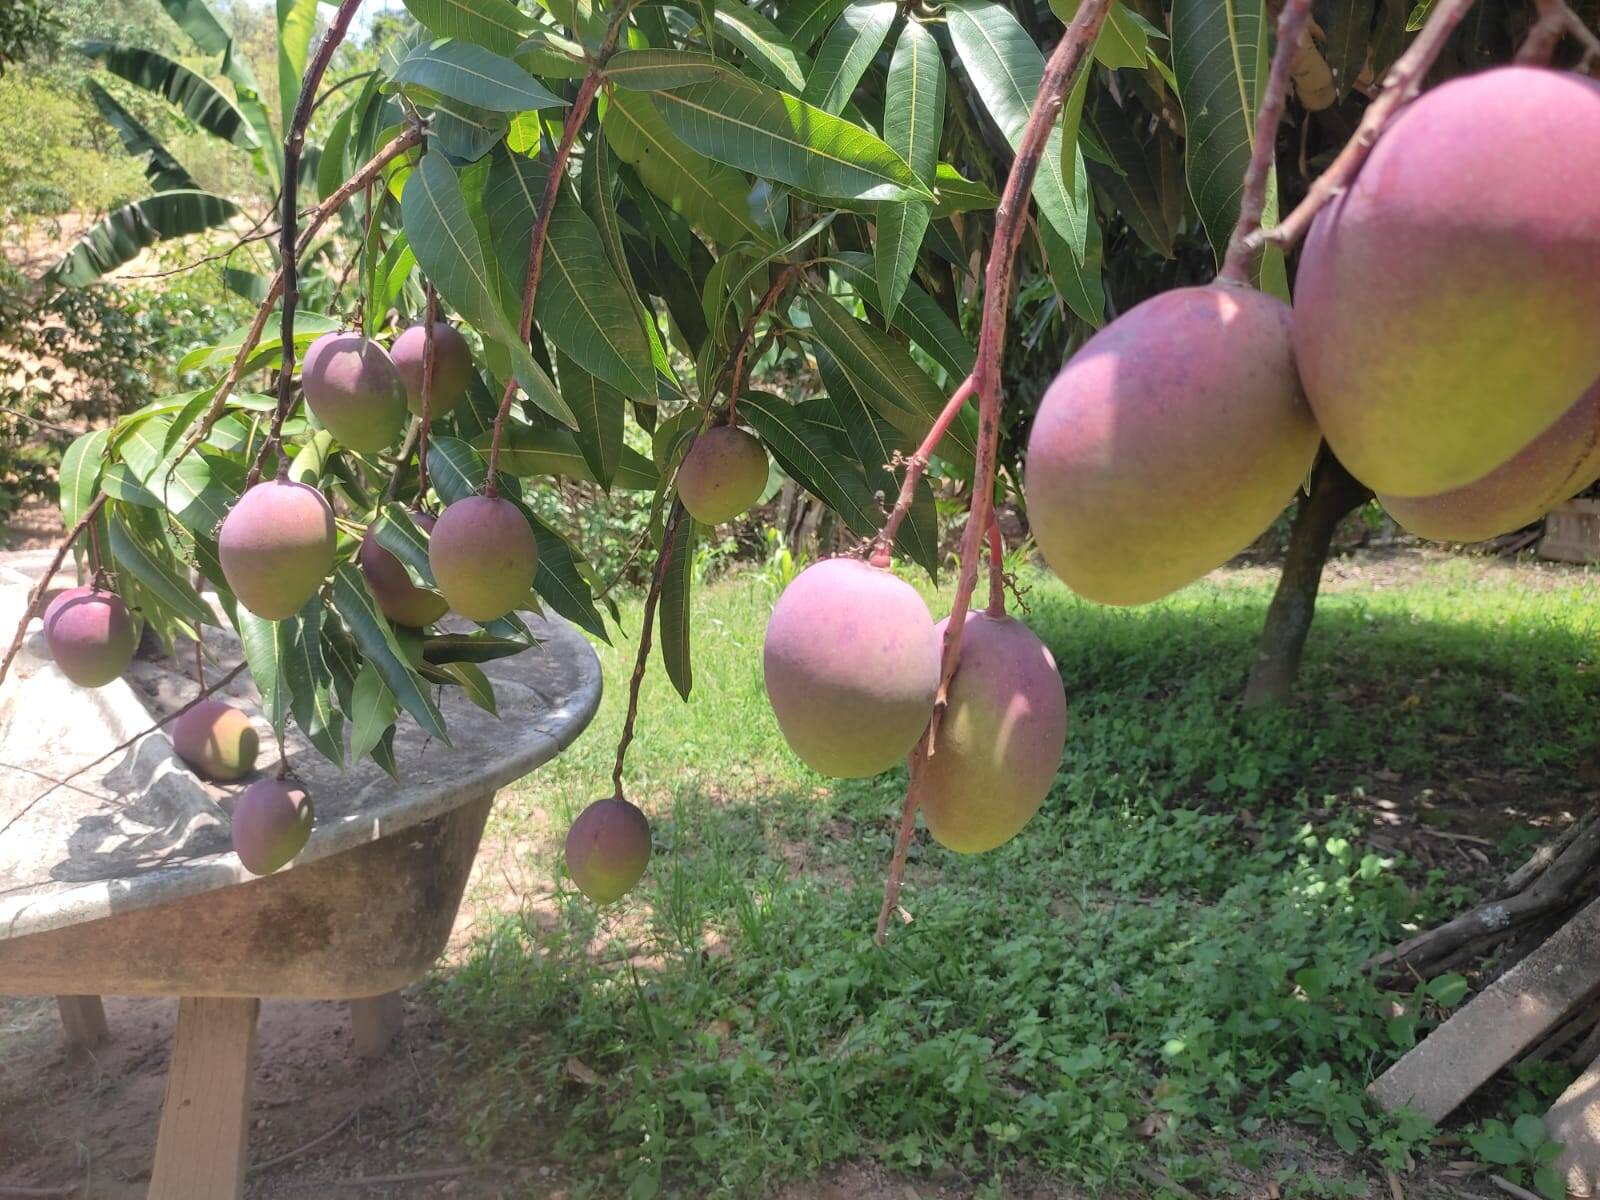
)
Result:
{"points": [[83, 1020], [374, 1020], [204, 1138]]}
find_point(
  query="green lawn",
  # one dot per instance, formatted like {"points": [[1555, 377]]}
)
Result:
{"points": [[1160, 974]]}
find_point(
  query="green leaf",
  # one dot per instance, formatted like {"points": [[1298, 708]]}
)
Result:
{"points": [[652, 70], [374, 635], [266, 646], [918, 316], [1124, 39], [462, 131], [156, 572], [297, 21], [310, 681], [957, 194], [192, 94], [1007, 69], [1347, 33], [526, 451], [712, 197], [118, 238], [600, 410], [440, 230], [497, 24], [1080, 283], [1447, 990], [913, 124], [119, 483], [675, 607], [846, 53], [442, 649], [79, 477], [475, 683], [1552, 1184], [372, 712], [582, 306], [1530, 1131], [1219, 55], [397, 533], [207, 32], [164, 172], [762, 42], [779, 137], [803, 21], [1146, 196], [333, 165], [806, 454], [887, 378], [475, 76]]}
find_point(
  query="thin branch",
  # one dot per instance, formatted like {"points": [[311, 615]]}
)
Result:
{"points": [[288, 243], [997, 567], [902, 841], [1253, 198], [430, 316], [576, 116], [735, 375], [916, 465], [37, 594], [1556, 21], [657, 581], [1400, 86]]}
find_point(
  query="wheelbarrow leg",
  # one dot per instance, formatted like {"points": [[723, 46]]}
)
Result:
{"points": [[203, 1143], [374, 1020], [83, 1021]]}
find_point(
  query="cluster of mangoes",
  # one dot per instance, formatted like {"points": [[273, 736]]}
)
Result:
{"points": [[1445, 342]]}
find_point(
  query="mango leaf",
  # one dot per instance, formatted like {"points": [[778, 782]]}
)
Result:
{"points": [[887, 378], [913, 124], [526, 451], [310, 681], [802, 22], [397, 533], [497, 24], [444, 648], [164, 172], [675, 608], [1080, 283], [1144, 194], [807, 456], [375, 636], [372, 712], [463, 132], [600, 410], [192, 94], [712, 197], [918, 316], [79, 477], [475, 76], [1348, 31], [957, 194], [156, 573], [118, 238], [297, 21], [1124, 39], [1007, 69], [119, 483], [1219, 55], [762, 42], [475, 683], [846, 54], [266, 646], [652, 70], [779, 137], [201, 490], [582, 306], [440, 230]]}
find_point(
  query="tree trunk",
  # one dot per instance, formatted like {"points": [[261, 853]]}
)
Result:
{"points": [[1334, 493]]}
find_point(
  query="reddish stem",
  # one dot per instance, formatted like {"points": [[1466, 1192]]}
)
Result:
{"points": [[902, 841], [431, 315], [916, 465], [1253, 198], [37, 594], [747, 335], [576, 115], [997, 567], [1556, 21], [1400, 85], [669, 534]]}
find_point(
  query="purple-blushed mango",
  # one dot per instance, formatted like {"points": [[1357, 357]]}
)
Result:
{"points": [[852, 665], [484, 557], [271, 824], [1168, 443], [452, 367], [1447, 303], [276, 546], [722, 475], [1555, 466], [1000, 740], [217, 740], [402, 601], [90, 634], [355, 390], [607, 849]]}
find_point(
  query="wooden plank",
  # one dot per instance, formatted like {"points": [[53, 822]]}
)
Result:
{"points": [[83, 1021], [204, 1137], [1572, 532], [1499, 1023], [374, 1020]]}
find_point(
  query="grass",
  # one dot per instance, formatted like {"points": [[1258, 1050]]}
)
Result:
{"points": [[1162, 971]]}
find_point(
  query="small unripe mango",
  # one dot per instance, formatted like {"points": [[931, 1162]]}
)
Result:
{"points": [[452, 367], [607, 849], [402, 601], [1555, 466], [352, 386], [271, 824], [1000, 741], [722, 475], [276, 547], [1448, 301], [851, 664], [1168, 443], [484, 557], [90, 634], [217, 740]]}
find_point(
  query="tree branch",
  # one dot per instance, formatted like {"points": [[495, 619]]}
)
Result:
{"points": [[1556, 21], [668, 536]]}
